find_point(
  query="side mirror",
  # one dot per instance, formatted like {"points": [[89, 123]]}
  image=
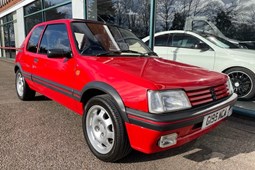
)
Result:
{"points": [[58, 53], [202, 46]]}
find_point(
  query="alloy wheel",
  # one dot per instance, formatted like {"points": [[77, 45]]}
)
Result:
{"points": [[241, 82], [20, 84], [100, 129]]}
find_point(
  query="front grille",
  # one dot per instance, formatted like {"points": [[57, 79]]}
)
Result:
{"points": [[206, 95]]}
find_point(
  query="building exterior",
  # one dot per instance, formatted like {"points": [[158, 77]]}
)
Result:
{"points": [[17, 17]]}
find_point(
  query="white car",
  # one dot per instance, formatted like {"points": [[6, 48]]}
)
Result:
{"points": [[212, 53]]}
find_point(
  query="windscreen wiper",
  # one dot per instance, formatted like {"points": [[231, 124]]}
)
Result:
{"points": [[126, 51], [119, 52], [151, 53], [140, 54], [130, 51], [107, 53]]}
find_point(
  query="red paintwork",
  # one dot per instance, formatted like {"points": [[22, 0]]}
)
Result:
{"points": [[131, 77], [146, 140]]}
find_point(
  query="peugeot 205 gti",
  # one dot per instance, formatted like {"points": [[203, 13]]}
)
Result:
{"points": [[128, 97]]}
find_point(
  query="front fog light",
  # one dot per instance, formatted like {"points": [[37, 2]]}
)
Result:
{"points": [[168, 140]]}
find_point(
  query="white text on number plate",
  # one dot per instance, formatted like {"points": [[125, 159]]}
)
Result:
{"points": [[215, 117]]}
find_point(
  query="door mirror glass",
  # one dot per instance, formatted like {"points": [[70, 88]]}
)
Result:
{"points": [[202, 46]]}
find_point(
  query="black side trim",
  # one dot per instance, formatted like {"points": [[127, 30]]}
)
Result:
{"points": [[27, 75], [178, 119], [75, 94], [168, 126], [56, 87], [108, 90], [51, 85]]}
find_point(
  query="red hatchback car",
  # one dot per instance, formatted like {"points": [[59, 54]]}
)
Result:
{"points": [[127, 95]]}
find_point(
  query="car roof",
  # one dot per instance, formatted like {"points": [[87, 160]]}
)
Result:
{"points": [[67, 21], [186, 32], [171, 32]]}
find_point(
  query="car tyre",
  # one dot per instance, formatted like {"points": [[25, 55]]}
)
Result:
{"points": [[104, 129], [243, 81], [23, 90]]}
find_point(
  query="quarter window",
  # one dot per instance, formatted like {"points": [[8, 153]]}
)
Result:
{"points": [[33, 41], [55, 37]]}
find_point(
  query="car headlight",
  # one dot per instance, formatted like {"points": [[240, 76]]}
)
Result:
{"points": [[165, 101], [230, 86]]}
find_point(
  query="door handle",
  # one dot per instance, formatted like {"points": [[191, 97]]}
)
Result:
{"points": [[36, 60]]}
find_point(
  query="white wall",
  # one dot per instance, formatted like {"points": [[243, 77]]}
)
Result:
{"points": [[78, 9], [15, 7], [20, 27]]}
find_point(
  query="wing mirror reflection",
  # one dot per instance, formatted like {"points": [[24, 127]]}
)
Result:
{"points": [[58, 53], [202, 46]]}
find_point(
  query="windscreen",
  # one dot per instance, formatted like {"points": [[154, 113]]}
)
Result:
{"points": [[220, 42], [98, 39]]}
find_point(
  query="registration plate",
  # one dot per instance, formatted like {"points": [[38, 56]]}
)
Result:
{"points": [[215, 117]]}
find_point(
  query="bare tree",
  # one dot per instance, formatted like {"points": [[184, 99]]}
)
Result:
{"points": [[119, 12], [192, 7], [144, 16], [165, 14]]}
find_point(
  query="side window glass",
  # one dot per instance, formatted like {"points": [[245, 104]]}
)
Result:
{"points": [[163, 40], [189, 41], [177, 40], [185, 41], [33, 41], [55, 37]]}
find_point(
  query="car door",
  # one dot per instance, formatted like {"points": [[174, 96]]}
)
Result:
{"points": [[191, 50], [30, 53], [55, 75]]}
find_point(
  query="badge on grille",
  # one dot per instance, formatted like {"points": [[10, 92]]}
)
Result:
{"points": [[214, 96]]}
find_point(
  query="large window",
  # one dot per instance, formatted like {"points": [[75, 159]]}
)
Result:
{"points": [[46, 10], [233, 19], [184, 41], [126, 13], [8, 36]]}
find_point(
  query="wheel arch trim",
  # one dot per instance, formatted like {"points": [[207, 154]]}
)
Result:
{"points": [[107, 89], [17, 67]]}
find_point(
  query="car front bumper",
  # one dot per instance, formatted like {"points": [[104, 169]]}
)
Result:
{"points": [[145, 129]]}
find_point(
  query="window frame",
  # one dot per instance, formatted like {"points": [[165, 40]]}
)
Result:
{"points": [[41, 12], [39, 39], [45, 29], [185, 34]]}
